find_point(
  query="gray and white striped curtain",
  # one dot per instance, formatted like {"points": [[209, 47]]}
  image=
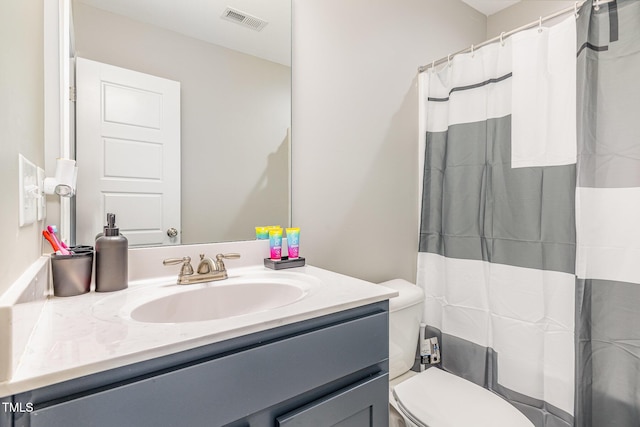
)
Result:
{"points": [[608, 216], [517, 263]]}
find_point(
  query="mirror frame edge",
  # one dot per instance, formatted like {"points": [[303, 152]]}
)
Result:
{"points": [[57, 83]]}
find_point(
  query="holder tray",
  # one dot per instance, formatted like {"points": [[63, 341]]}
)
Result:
{"points": [[285, 262]]}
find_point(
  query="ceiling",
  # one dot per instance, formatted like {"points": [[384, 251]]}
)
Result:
{"points": [[489, 7], [201, 19]]}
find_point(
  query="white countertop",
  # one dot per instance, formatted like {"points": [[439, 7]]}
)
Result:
{"points": [[86, 334]]}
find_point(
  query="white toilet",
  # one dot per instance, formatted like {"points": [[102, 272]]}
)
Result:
{"points": [[434, 398]]}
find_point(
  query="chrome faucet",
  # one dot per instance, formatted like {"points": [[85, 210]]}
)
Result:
{"points": [[208, 269]]}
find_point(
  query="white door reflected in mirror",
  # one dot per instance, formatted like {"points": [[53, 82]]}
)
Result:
{"points": [[128, 152]]}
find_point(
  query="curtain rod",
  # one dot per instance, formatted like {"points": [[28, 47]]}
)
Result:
{"points": [[503, 35]]}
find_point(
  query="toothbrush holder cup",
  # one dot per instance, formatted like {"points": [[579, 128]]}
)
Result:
{"points": [[71, 274]]}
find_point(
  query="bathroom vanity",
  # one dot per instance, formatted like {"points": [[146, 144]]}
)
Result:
{"points": [[331, 370], [319, 361]]}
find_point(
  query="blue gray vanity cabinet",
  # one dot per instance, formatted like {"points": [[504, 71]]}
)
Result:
{"points": [[5, 412], [331, 370]]}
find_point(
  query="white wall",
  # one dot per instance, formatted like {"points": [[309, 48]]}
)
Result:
{"points": [[235, 111], [355, 125], [21, 127], [521, 14]]}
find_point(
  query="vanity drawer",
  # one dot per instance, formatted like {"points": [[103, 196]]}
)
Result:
{"points": [[229, 387]]}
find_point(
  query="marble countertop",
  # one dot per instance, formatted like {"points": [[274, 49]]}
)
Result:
{"points": [[85, 334]]}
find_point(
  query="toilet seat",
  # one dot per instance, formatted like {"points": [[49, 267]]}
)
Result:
{"points": [[435, 398]]}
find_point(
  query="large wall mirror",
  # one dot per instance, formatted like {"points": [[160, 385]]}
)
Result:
{"points": [[235, 105]]}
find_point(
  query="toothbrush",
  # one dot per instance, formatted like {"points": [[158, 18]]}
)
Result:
{"points": [[63, 248], [54, 245], [53, 230]]}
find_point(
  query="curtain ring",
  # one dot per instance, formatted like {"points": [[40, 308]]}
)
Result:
{"points": [[597, 5], [472, 53], [540, 25], [575, 9], [502, 38], [449, 60], [433, 65]]}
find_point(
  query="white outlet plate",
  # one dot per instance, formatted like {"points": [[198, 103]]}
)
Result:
{"points": [[42, 200], [28, 182]]}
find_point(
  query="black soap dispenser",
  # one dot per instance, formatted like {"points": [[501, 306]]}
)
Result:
{"points": [[112, 267]]}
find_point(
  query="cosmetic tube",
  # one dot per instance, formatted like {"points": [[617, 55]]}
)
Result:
{"points": [[293, 242], [275, 243], [262, 233]]}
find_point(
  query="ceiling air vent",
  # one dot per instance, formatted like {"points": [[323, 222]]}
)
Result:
{"points": [[244, 19]]}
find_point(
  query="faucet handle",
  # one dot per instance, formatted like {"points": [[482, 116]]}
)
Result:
{"points": [[227, 256], [186, 269], [220, 264]]}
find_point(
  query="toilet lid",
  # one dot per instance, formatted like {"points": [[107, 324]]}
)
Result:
{"points": [[408, 294], [436, 398]]}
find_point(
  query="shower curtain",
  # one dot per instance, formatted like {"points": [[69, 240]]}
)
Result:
{"points": [[608, 217], [529, 246]]}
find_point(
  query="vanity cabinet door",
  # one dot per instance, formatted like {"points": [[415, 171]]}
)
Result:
{"points": [[362, 404]]}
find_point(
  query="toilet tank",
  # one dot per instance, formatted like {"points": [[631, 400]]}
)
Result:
{"points": [[405, 314]]}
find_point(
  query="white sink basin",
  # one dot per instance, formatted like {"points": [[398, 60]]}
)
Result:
{"points": [[248, 292], [217, 301]]}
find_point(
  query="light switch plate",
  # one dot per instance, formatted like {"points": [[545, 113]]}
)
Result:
{"points": [[28, 184], [41, 200]]}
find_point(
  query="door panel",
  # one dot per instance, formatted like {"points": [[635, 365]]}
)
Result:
{"points": [[117, 149]]}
